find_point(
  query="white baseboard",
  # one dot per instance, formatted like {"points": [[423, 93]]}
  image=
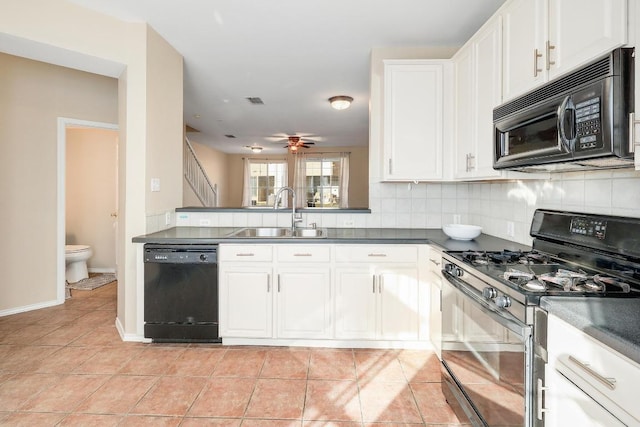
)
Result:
{"points": [[30, 307], [129, 337], [377, 344], [101, 270]]}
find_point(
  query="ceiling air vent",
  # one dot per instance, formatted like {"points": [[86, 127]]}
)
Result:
{"points": [[230, 136], [255, 100]]}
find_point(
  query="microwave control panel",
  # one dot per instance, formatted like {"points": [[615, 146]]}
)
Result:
{"points": [[588, 124]]}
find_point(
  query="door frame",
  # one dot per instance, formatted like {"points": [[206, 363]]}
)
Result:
{"points": [[63, 123]]}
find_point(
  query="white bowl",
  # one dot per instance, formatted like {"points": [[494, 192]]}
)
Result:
{"points": [[462, 231]]}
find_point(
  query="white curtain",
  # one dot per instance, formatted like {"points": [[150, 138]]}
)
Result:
{"points": [[344, 180], [246, 183], [299, 180]]}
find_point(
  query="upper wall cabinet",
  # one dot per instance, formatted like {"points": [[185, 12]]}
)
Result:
{"points": [[478, 90], [414, 119], [546, 38]]}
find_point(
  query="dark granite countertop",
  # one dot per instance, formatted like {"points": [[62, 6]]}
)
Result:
{"points": [[214, 235], [612, 321]]}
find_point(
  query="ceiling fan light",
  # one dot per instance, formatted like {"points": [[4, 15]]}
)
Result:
{"points": [[254, 148], [341, 102]]}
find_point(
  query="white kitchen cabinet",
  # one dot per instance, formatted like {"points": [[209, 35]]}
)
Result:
{"points": [[544, 39], [435, 307], [377, 292], [478, 89], [415, 119], [587, 383], [246, 292], [303, 291]]}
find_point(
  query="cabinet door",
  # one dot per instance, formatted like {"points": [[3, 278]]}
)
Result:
{"points": [[413, 120], [435, 311], [304, 302], [581, 30], [524, 37], [355, 303], [465, 115], [245, 301], [487, 95], [398, 290]]}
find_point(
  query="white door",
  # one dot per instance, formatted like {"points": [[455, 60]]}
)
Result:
{"points": [[245, 301], [582, 30], [355, 304], [524, 36], [304, 302], [398, 290]]}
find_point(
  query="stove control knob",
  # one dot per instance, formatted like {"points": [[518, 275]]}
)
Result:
{"points": [[503, 301], [453, 270], [203, 257], [489, 293]]}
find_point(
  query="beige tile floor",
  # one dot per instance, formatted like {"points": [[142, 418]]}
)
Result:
{"points": [[67, 366]]}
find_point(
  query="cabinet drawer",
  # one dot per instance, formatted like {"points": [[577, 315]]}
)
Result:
{"points": [[376, 253], [610, 378], [248, 253], [304, 253]]}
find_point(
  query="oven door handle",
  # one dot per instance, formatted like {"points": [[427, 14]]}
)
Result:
{"points": [[502, 317]]}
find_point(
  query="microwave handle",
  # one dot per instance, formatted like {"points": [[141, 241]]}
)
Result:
{"points": [[567, 107]]}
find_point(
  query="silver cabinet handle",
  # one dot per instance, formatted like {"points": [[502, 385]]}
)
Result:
{"points": [[435, 262], [536, 55], [540, 409], [245, 254], [278, 283], [610, 383], [302, 254], [268, 283], [390, 168], [377, 255], [374, 283], [632, 132], [380, 283], [549, 47]]}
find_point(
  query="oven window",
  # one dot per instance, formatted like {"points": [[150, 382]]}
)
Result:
{"points": [[486, 359], [536, 135]]}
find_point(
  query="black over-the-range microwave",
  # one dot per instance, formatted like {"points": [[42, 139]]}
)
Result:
{"points": [[579, 121]]}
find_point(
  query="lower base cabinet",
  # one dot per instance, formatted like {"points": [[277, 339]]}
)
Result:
{"points": [[323, 292]]}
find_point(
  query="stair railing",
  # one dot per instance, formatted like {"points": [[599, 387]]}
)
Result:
{"points": [[197, 178]]}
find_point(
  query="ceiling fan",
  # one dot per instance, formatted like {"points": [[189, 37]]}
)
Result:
{"points": [[295, 142]]}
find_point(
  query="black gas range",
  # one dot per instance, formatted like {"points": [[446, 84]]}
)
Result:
{"points": [[491, 306], [573, 255]]}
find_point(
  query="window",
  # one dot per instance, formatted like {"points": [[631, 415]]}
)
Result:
{"points": [[323, 180], [262, 179]]}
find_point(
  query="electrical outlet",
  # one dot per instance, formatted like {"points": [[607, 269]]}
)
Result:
{"points": [[511, 229], [349, 223], [204, 222], [167, 218]]}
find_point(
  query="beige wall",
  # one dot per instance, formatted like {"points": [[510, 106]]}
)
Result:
{"points": [[149, 73], [90, 192], [32, 96], [358, 165]]}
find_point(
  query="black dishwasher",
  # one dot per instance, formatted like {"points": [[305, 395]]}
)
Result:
{"points": [[181, 293]]}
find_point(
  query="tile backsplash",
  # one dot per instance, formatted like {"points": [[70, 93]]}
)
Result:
{"points": [[491, 205]]}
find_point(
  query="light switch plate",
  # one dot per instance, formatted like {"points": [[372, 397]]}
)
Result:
{"points": [[155, 184]]}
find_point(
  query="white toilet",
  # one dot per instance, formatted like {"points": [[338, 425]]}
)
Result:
{"points": [[75, 258]]}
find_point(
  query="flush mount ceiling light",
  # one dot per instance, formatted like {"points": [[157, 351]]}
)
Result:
{"points": [[254, 148], [340, 102]]}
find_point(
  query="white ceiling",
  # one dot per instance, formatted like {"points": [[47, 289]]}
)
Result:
{"points": [[294, 55]]}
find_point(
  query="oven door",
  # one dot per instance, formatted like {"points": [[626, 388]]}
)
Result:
{"points": [[487, 358], [541, 134]]}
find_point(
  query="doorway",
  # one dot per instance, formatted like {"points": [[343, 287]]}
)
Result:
{"points": [[87, 193]]}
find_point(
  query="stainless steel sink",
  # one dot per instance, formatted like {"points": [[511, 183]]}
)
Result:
{"points": [[280, 232]]}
